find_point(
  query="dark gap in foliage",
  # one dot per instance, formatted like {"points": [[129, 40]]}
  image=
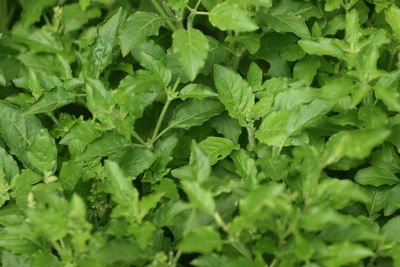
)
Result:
{"points": [[77, 110], [186, 258], [168, 233]]}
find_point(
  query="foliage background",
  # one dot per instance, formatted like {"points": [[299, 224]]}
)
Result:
{"points": [[199, 133]]}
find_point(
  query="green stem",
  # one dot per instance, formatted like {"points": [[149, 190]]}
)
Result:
{"points": [[252, 141], [159, 121], [176, 258], [137, 137], [170, 97], [220, 221], [162, 13], [52, 117]]}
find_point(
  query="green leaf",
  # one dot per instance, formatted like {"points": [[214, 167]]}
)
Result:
{"points": [[108, 143], [322, 47], [9, 259], [18, 130], [194, 113], [306, 115], [102, 51], [292, 52], [234, 93], [79, 136], [376, 176], [346, 253], [306, 69], [120, 186], [386, 90], [201, 240], [287, 23], [272, 130], [246, 167], [137, 28], [217, 148], [136, 160], [198, 91], [228, 16], [191, 47], [199, 164], [227, 126], [392, 230], [42, 153], [32, 11], [392, 201], [198, 196], [353, 144], [8, 165], [52, 100], [177, 4], [392, 18], [70, 174], [292, 98]]}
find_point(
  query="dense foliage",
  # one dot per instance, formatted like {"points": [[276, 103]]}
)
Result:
{"points": [[205, 133]]}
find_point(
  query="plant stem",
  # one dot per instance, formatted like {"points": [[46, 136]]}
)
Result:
{"points": [[138, 138], [164, 14], [160, 119], [170, 98], [250, 136], [52, 117]]}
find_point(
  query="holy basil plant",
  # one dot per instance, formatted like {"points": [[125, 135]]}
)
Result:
{"points": [[205, 133]]}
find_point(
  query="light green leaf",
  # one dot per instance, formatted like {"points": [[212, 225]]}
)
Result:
{"points": [[194, 113], [234, 93], [110, 142], [227, 126], [331, 5], [98, 99], [287, 23], [392, 230], [392, 201], [353, 144], [191, 47], [217, 148], [289, 99], [346, 253], [306, 69], [70, 174], [79, 136], [52, 100], [198, 196], [322, 47], [18, 130], [8, 165], [102, 51], [137, 28], [254, 74], [306, 115], [228, 16], [136, 160], [199, 164], [272, 130], [376, 176], [198, 91], [246, 167], [31, 11], [292, 52], [201, 240], [392, 18], [120, 185], [42, 153], [386, 90]]}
